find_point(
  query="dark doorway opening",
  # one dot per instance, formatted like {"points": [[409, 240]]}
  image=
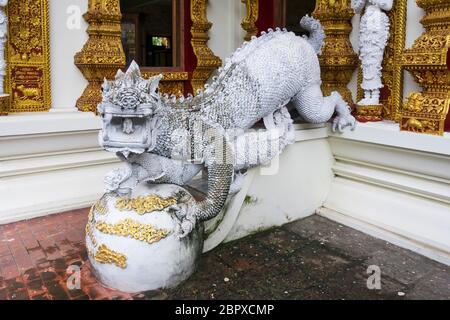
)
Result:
{"points": [[289, 12], [150, 32]]}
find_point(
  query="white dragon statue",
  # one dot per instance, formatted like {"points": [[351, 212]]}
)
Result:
{"points": [[170, 140]]}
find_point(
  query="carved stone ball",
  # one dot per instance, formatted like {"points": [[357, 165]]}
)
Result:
{"points": [[133, 242]]}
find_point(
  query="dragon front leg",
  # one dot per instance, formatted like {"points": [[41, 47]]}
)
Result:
{"points": [[219, 180], [218, 156], [238, 181], [315, 108]]}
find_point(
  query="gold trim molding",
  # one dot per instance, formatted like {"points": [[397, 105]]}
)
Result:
{"points": [[338, 60], [426, 60], [28, 56], [103, 54], [207, 62], [172, 81], [249, 21]]}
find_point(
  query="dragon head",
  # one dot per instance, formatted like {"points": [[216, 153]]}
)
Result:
{"points": [[126, 110]]}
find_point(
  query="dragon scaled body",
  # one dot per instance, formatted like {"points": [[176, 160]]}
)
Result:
{"points": [[168, 140]]}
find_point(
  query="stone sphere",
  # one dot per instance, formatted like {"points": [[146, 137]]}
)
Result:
{"points": [[132, 242]]}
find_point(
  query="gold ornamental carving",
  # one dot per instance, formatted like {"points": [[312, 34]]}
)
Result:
{"points": [[172, 81], [28, 56], [249, 21], [207, 62], [337, 60], [103, 54], [426, 60], [5, 104], [369, 113]]}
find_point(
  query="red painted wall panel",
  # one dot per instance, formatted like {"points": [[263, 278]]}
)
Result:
{"points": [[266, 17]]}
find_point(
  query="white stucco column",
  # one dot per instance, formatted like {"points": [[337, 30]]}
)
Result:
{"points": [[67, 37], [226, 33]]}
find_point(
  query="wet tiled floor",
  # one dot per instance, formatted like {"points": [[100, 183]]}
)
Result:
{"points": [[313, 258]]}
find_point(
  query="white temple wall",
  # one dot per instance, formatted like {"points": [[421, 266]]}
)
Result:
{"points": [[226, 33], [67, 37], [413, 30]]}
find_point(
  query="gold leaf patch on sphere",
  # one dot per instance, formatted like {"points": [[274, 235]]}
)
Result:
{"points": [[133, 229], [143, 205], [106, 255]]}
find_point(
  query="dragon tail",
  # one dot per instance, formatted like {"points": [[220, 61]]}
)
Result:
{"points": [[316, 33]]}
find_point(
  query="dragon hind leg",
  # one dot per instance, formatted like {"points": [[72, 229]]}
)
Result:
{"points": [[315, 108]]}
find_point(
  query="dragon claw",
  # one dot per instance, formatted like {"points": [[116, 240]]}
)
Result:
{"points": [[185, 228], [341, 122], [187, 217]]}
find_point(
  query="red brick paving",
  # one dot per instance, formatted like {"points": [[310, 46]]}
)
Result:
{"points": [[313, 258], [35, 255]]}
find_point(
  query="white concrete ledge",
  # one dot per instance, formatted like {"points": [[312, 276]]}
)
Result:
{"points": [[394, 185], [388, 133], [304, 132], [47, 122], [50, 162], [77, 159]]}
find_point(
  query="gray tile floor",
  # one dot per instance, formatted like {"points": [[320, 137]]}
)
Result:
{"points": [[313, 258]]}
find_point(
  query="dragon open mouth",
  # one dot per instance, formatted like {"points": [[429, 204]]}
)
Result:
{"points": [[127, 129], [126, 132]]}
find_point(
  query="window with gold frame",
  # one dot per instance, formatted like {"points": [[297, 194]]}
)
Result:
{"points": [[103, 54]]}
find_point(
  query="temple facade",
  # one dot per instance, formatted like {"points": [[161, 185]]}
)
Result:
{"points": [[389, 178]]}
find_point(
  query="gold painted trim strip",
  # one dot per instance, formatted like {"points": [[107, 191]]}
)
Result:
{"points": [[398, 39]]}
